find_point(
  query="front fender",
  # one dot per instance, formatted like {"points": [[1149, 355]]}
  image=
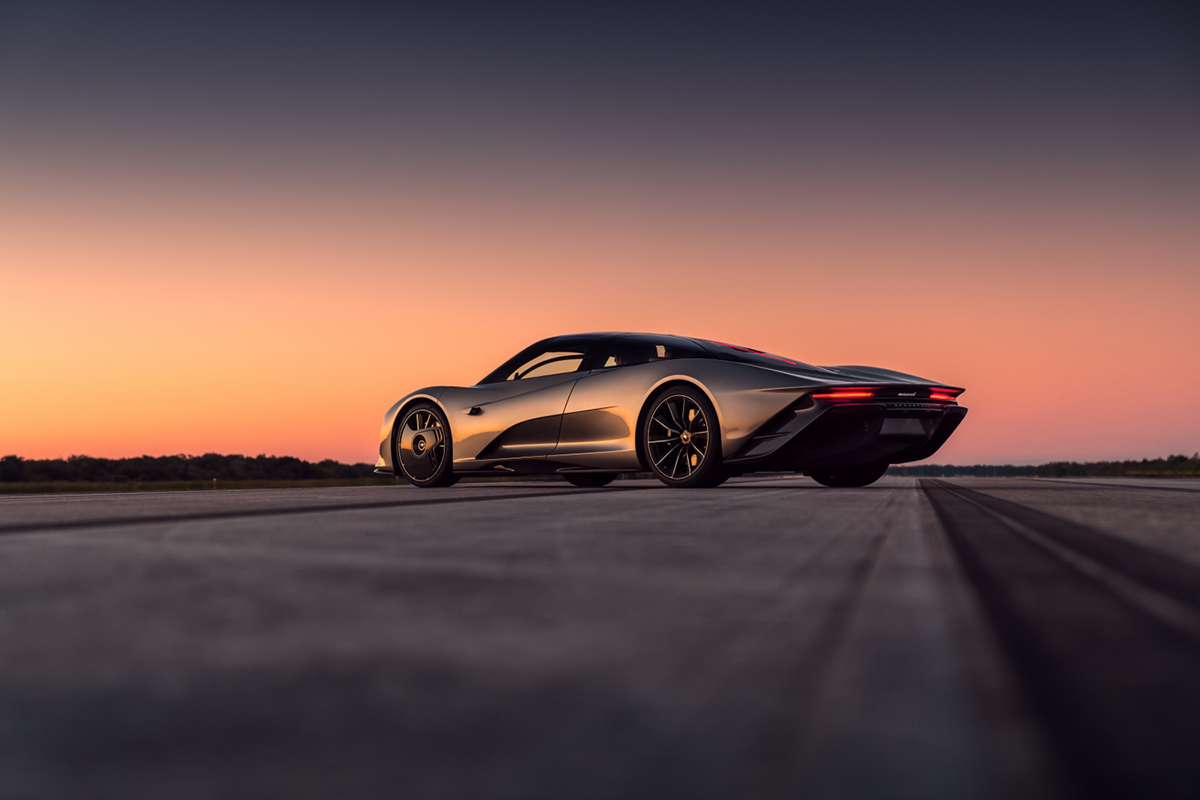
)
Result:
{"points": [[431, 394]]}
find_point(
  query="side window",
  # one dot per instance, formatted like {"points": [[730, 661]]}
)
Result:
{"points": [[644, 350], [554, 362]]}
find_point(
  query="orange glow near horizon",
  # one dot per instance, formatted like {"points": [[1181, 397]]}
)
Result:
{"points": [[192, 310]]}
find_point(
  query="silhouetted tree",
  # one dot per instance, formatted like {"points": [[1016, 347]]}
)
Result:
{"points": [[151, 469]]}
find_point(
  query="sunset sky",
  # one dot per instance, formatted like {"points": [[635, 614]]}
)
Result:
{"points": [[251, 228]]}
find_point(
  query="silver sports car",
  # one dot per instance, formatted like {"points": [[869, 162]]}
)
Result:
{"points": [[694, 412]]}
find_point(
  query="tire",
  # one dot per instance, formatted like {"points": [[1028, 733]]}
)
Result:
{"points": [[422, 447], [681, 439], [589, 479], [846, 478]]}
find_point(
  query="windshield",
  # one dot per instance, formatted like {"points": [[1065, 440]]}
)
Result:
{"points": [[555, 356], [550, 363], [749, 355]]}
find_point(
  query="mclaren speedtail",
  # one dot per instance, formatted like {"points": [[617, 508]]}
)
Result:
{"points": [[695, 412]]}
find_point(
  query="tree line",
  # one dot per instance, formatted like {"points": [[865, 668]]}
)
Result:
{"points": [[1169, 467], [975, 470], [149, 469]]}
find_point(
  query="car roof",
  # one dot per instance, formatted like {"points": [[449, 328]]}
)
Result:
{"points": [[596, 336]]}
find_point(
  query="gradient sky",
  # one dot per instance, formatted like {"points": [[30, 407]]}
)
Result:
{"points": [[250, 228]]}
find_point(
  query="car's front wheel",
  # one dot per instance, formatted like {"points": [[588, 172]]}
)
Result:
{"points": [[858, 476], [421, 447], [682, 439]]}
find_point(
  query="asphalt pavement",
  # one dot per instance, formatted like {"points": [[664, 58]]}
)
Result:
{"points": [[966, 638]]}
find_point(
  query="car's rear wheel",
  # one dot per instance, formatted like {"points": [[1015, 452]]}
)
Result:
{"points": [[682, 439], [589, 479], [421, 447], [846, 478]]}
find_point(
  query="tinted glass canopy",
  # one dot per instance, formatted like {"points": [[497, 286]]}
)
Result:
{"points": [[642, 348], [582, 352]]}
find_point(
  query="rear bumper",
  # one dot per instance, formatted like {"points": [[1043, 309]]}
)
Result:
{"points": [[849, 435], [947, 425]]}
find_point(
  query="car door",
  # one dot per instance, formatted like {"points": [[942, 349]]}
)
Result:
{"points": [[599, 424], [518, 416]]}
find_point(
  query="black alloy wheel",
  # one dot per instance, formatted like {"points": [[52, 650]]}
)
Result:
{"points": [[421, 447], [682, 439], [589, 480], [850, 478]]}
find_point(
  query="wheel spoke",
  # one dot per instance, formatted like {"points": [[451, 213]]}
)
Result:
{"points": [[675, 419], [665, 455], [665, 425], [675, 468], [662, 441]]}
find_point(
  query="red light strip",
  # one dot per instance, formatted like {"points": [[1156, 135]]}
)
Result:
{"points": [[844, 395], [944, 397]]}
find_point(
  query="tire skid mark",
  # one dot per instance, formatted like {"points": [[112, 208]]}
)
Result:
{"points": [[1103, 634], [841, 621], [159, 519], [1156, 571]]}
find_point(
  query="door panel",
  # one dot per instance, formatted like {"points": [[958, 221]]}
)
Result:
{"points": [[600, 421], [599, 426], [510, 419]]}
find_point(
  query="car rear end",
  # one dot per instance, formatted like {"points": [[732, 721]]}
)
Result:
{"points": [[850, 425]]}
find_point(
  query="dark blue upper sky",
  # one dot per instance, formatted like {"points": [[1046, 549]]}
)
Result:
{"points": [[871, 78]]}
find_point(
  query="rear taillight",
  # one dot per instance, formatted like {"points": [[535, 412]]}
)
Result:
{"points": [[844, 395], [944, 394]]}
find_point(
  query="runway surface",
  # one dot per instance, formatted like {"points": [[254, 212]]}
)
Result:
{"points": [[966, 638]]}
